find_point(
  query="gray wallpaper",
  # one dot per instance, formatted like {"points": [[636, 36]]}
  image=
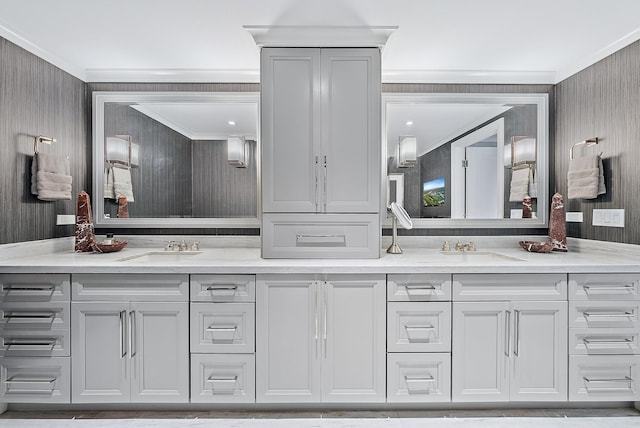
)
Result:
{"points": [[603, 101], [38, 99]]}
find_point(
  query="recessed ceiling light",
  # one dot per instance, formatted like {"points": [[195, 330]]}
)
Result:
{"points": [[232, 123], [409, 122]]}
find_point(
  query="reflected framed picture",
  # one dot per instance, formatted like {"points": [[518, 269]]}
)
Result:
{"points": [[433, 193]]}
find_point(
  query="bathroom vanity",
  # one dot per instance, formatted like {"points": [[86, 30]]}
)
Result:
{"points": [[223, 326]]}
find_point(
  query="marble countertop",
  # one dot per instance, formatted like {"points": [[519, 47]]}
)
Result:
{"points": [[242, 255]]}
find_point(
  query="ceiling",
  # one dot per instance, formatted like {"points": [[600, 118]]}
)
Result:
{"points": [[455, 41]]}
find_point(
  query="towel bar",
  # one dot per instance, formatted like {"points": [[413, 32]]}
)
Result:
{"points": [[588, 142]]}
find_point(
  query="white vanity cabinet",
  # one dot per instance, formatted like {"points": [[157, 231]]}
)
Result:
{"points": [[129, 338], [509, 337], [604, 337], [320, 127], [34, 338], [320, 338]]}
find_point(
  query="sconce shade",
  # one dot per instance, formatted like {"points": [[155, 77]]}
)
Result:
{"points": [[237, 153], [407, 147]]}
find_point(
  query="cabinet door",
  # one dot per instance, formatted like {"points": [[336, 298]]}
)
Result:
{"points": [[480, 351], [287, 339], [290, 129], [159, 352], [350, 130], [353, 335], [100, 353], [539, 353]]}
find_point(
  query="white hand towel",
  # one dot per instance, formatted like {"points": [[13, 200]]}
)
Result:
{"points": [[50, 177], [585, 179], [519, 184], [122, 183]]}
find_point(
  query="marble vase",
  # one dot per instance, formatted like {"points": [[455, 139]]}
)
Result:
{"points": [[557, 224], [85, 238]]}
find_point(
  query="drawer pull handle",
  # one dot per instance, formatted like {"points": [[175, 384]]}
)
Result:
{"points": [[233, 379], [31, 380], [420, 379], [30, 315], [626, 287], [419, 287], [29, 287], [419, 327], [49, 343], [624, 340], [626, 314], [321, 240], [222, 287], [626, 379], [222, 329]]}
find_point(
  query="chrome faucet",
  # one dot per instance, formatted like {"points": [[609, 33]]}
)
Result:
{"points": [[468, 246]]}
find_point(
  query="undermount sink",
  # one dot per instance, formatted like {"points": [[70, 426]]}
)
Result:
{"points": [[479, 256], [160, 256]]}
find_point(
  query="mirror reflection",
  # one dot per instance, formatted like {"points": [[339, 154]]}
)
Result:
{"points": [[471, 157], [176, 157]]}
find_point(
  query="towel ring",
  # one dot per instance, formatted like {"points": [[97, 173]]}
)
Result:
{"points": [[589, 142], [42, 139]]}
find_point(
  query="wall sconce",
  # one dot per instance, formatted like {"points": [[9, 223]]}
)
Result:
{"points": [[407, 148], [237, 151]]}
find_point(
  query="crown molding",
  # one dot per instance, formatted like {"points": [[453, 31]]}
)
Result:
{"points": [[14, 37], [173, 75], [599, 55], [319, 36], [468, 77]]}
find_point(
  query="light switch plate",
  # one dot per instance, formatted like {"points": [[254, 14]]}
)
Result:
{"points": [[65, 219], [574, 217], [610, 217]]}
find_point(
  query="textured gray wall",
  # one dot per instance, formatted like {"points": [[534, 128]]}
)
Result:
{"points": [[604, 101], [38, 99]]}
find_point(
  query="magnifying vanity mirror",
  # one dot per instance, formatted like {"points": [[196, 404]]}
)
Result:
{"points": [[182, 159], [467, 160]]}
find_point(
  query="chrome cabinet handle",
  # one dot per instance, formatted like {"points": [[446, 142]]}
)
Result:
{"points": [[507, 333], [419, 327], [40, 315], [33, 381], [232, 379], [221, 287], [321, 240], [623, 340], [625, 379], [133, 339], [317, 314], [626, 287], [48, 342], [222, 328], [123, 346], [516, 344], [316, 181], [326, 311], [419, 287], [625, 314], [28, 287], [419, 379], [325, 184]]}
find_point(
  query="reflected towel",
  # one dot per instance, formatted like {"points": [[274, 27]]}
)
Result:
{"points": [[122, 183], [519, 184], [50, 177], [108, 185], [585, 178]]}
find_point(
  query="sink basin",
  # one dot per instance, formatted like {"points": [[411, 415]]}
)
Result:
{"points": [[478, 256], [160, 256]]}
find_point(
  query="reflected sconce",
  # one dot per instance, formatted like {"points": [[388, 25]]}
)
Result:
{"points": [[119, 149], [237, 151], [407, 148], [521, 151]]}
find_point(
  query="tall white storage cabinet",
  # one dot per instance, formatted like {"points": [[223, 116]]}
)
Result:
{"points": [[321, 149], [320, 340]]}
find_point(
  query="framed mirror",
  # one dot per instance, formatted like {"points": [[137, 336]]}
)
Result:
{"points": [[181, 159], [467, 160]]}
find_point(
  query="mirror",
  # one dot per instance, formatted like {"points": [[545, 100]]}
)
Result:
{"points": [[182, 159], [467, 160]]}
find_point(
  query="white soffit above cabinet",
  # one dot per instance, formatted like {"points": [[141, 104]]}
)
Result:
{"points": [[453, 41]]}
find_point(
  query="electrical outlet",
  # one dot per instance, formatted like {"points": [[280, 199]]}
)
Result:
{"points": [[65, 219], [609, 218], [574, 217]]}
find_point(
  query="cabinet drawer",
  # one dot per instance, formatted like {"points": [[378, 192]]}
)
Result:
{"points": [[320, 236], [498, 287], [604, 314], [35, 343], [418, 377], [223, 288], [219, 378], [418, 287], [34, 287], [594, 341], [222, 327], [131, 287], [34, 315], [35, 380], [419, 327], [603, 377], [604, 286]]}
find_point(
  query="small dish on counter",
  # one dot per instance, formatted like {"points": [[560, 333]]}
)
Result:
{"points": [[102, 247], [536, 246]]}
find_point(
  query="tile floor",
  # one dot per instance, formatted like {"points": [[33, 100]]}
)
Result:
{"points": [[510, 418]]}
